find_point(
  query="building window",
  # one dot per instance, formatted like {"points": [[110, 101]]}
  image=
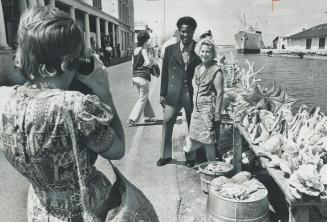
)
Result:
{"points": [[97, 4], [308, 44], [322, 42]]}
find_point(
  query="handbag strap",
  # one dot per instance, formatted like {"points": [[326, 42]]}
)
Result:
{"points": [[88, 215]]}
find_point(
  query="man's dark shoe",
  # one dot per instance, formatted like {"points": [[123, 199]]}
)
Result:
{"points": [[149, 120], [162, 161], [190, 163]]}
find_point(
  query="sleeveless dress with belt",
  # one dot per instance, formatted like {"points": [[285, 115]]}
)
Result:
{"points": [[202, 127]]}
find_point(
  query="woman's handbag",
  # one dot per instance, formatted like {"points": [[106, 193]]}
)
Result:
{"points": [[155, 70], [133, 207]]}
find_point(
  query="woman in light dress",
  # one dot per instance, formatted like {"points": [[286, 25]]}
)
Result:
{"points": [[207, 99]]}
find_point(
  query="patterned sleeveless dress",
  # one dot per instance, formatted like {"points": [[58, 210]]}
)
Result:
{"points": [[202, 127]]}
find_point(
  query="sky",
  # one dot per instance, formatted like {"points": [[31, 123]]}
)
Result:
{"points": [[224, 17]]}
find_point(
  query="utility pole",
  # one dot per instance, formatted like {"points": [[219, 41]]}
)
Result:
{"points": [[164, 15]]}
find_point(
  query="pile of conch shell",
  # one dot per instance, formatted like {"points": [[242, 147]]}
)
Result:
{"points": [[307, 181], [294, 143]]}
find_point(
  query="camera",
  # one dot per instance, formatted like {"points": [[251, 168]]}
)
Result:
{"points": [[85, 66]]}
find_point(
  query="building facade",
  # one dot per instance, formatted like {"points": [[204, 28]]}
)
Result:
{"points": [[101, 20], [280, 42], [312, 40]]}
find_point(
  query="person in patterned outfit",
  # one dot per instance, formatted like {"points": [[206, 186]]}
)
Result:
{"points": [[53, 136], [207, 99]]}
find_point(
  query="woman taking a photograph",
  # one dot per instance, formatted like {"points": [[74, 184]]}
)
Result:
{"points": [[207, 99], [53, 136], [141, 79]]}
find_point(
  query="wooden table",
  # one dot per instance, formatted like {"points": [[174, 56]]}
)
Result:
{"points": [[299, 210]]}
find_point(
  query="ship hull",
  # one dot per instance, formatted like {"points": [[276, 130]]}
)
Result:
{"points": [[248, 42]]}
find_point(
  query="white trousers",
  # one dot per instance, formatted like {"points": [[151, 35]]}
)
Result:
{"points": [[142, 105]]}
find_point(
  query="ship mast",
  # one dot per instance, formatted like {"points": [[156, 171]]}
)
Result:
{"points": [[244, 21]]}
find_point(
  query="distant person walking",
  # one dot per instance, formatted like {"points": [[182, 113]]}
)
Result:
{"points": [[118, 50], [107, 54], [176, 91], [141, 79], [109, 49]]}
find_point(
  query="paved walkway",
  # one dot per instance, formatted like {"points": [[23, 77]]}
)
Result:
{"points": [[174, 189], [116, 61]]}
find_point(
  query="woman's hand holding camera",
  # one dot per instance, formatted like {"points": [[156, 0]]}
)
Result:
{"points": [[98, 79]]}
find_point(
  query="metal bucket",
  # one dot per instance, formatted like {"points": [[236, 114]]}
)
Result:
{"points": [[253, 209], [206, 176]]}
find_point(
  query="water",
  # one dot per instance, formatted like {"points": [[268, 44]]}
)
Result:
{"points": [[305, 79]]}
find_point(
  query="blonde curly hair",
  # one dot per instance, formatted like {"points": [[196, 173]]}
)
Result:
{"points": [[207, 42], [49, 37]]}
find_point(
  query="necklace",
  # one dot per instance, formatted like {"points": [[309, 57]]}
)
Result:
{"points": [[40, 86], [199, 77]]}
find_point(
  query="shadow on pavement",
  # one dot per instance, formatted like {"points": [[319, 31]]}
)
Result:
{"points": [[156, 122]]}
